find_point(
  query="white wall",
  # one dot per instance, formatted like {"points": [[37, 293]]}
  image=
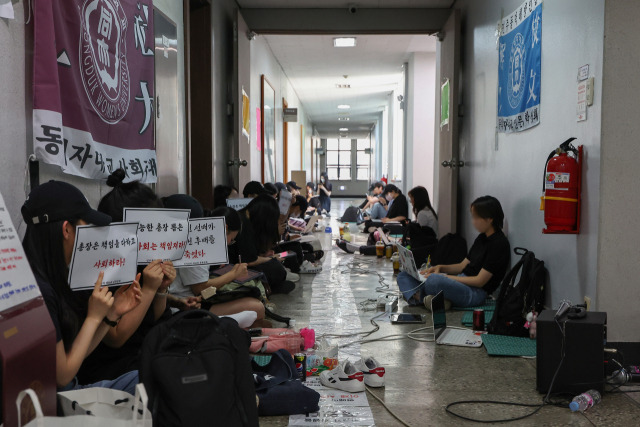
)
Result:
{"points": [[572, 35], [421, 116], [16, 45], [264, 62], [618, 291]]}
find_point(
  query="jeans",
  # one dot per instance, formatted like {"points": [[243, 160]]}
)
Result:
{"points": [[378, 211], [126, 382], [458, 293]]}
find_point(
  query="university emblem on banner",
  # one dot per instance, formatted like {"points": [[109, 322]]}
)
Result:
{"points": [[103, 58], [516, 71]]}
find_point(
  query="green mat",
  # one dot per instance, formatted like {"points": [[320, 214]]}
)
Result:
{"points": [[467, 317], [502, 345], [262, 359], [489, 304]]}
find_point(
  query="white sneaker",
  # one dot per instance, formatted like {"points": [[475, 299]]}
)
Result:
{"points": [[291, 276], [343, 377], [309, 268], [372, 371]]}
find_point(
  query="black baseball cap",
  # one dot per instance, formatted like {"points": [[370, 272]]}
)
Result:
{"points": [[280, 186], [293, 184], [253, 187], [60, 201], [184, 201], [311, 185]]}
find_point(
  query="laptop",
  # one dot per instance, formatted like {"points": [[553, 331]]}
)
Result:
{"points": [[312, 222], [409, 264], [250, 275], [450, 336], [384, 237]]}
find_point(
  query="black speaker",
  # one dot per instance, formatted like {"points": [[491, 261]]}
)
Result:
{"points": [[583, 366]]}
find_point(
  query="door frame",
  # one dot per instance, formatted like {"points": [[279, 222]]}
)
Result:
{"points": [[285, 143]]}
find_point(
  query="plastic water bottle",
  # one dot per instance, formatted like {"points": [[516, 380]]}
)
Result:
{"points": [[585, 401]]}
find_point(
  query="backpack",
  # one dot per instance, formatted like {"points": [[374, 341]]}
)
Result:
{"points": [[197, 372], [352, 214], [517, 299], [451, 249]]}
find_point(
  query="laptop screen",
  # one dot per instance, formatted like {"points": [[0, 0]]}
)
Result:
{"points": [[439, 314]]}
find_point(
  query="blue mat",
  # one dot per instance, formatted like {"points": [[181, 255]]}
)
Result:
{"points": [[467, 317], [489, 304], [502, 345]]}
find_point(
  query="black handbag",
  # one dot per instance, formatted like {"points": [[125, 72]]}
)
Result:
{"points": [[234, 294]]}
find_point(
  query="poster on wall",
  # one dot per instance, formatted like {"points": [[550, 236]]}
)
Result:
{"points": [[93, 87], [519, 68]]}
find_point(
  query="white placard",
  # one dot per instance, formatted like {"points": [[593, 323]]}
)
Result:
{"points": [[207, 243], [238, 204], [112, 249], [17, 284], [583, 72], [162, 233], [581, 110], [284, 203]]}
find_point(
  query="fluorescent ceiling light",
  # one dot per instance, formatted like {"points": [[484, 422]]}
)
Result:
{"points": [[344, 106], [343, 129], [343, 118], [344, 42]]}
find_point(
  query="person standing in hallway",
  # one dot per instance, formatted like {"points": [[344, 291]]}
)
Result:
{"points": [[324, 192]]}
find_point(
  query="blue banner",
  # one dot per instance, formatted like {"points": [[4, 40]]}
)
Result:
{"points": [[519, 68]]}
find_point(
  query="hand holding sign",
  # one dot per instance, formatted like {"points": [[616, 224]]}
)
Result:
{"points": [[126, 299], [100, 301], [284, 203]]}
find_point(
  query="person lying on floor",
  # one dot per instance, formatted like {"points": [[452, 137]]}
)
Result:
{"points": [[52, 212], [191, 281], [468, 283]]}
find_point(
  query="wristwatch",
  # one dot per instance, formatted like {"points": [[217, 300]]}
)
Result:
{"points": [[111, 323]]}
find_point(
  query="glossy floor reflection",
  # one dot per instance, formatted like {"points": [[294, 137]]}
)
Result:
{"points": [[423, 378]]}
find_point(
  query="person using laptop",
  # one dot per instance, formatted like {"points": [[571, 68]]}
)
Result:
{"points": [[468, 283]]}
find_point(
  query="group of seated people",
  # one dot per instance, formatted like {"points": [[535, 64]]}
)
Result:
{"points": [[99, 333], [464, 284]]}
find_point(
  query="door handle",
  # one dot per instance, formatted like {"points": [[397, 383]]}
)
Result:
{"points": [[446, 164], [236, 162], [453, 163]]}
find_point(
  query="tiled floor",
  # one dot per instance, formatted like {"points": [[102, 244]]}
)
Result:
{"points": [[423, 378]]}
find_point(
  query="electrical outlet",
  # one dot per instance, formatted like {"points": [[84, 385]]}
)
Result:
{"points": [[587, 301]]}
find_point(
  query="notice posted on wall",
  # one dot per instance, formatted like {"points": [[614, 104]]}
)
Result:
{"points": [[17, 283], [206, 244], [112, 249], [162, 233]]}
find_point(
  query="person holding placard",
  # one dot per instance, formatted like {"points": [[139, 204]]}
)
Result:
{"points": [[191, 281], [120, 349], [52, 212]]}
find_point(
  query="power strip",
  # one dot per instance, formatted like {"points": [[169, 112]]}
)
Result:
{"points": [[391, 305]]}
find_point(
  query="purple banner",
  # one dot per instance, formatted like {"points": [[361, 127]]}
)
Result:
{"points": [[93, 87]]}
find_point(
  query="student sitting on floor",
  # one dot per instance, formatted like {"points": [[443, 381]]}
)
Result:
{"points": [[191, 281], [397, 209], [252, 189], [121, 353], [223, 192], [306, 257], [374, 198], [468, 283], [257, 238], [271, 189], [52, 212], [315, 205]]}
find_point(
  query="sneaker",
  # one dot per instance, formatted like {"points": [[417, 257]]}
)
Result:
{"points": [[343, 377], [427, 303], [291, 276], [372, 371], [309, 268], [343, 245]]}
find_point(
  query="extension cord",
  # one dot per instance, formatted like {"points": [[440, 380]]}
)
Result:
{"points": [[391, 305], [383, 300]]}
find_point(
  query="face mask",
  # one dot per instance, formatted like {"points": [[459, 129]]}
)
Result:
{"points": [[388, 197], [322, 180]]}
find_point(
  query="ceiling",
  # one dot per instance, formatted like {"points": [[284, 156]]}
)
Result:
{"points": [[373, 67], [392, 4]]}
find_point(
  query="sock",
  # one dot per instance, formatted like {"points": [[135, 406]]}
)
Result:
{"points": [[244, 318], [352, 247]]}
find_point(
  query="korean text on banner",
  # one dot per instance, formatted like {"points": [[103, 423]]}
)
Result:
{"points": [[17, 284], [162, 233], [207, 243], [285, 202], [519, 75], [238, 204], [93, 87], [112, 249]]}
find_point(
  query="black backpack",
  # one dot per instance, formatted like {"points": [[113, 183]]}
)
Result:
{"points": [[517, 299], [352, 214], [197, 372], [451, 249]]}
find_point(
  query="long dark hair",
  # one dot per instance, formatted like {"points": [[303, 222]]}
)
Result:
{"points": [[488, 207], [231, 217], [42, 245], [130, 195], [220, 195], [421, 200], [325, 175], [264, 215]]}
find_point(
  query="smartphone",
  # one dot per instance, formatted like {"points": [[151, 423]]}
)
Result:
{"points": [[286, 254], [401, 318]]}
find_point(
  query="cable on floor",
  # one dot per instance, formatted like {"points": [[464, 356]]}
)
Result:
{"points": [[396, 416]]}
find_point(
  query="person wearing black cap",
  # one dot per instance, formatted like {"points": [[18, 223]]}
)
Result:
{"points": [[52, 211], [293, 188], [252, 189], [271, 189], [375, 198], [191, 281]]}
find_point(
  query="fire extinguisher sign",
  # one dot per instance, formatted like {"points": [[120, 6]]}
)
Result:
{"points": [[554, 178]]}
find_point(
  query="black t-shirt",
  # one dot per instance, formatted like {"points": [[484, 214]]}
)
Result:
{"points": [[329, 187], [53, 303], [245, 245], [314, 202], [492, 253], [399, 207]]}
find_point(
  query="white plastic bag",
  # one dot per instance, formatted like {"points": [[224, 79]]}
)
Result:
{"points": [[136, 414]]}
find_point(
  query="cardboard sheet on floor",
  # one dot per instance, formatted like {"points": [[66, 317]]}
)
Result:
{"points": [[502, 345]]}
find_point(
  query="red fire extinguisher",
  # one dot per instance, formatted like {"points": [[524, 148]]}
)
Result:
{"points": [[561, 188]]}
